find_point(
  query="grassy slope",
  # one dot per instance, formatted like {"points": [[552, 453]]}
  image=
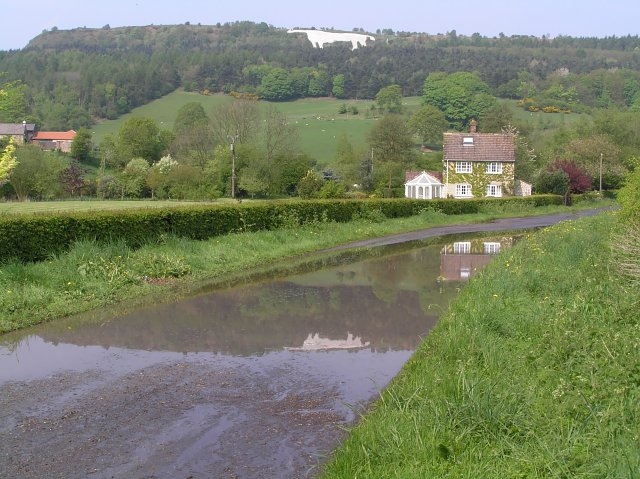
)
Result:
{"points": [[317, 120], [534, 372]]}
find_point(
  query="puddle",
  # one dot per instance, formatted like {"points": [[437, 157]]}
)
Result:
{"points": [[250, 381]]}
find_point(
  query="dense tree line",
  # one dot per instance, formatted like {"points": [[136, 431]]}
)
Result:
{"points": [[71, 78]]}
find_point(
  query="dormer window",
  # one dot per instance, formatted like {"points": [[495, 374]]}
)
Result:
{"points": [[467, 141]]}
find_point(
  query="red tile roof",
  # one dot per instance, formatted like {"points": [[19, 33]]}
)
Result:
{"points": [[483, 147], [55, 135]]}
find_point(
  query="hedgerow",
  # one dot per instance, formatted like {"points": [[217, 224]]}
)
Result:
{"points": [[38, 237]]}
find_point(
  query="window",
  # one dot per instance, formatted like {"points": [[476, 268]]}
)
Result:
{"points": [[467, 141], [465, 273], [463, 167], [463, 190], [494, 167], [462, 247], [494, 190], [491, 248]]}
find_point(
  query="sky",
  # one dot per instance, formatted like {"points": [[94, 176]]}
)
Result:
{"points": [[578, 18]]}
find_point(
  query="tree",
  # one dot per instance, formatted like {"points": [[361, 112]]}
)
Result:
{"points": [[238, 119], [37, 173], [392, 147], [462, 96], [310, 185], [189, 116], [279, 139], [158, 176], [82, 146], [346, 162], [72, 178], [579, 179], [7, 161], [29, 160], [276, 86], [193, 139], [319, 82], [496, 119], [338, 86], [140, 138], [389, 98], [13, 103], [587, 152], [429, 123], [553, 182], [252, 181], [134, 177]]}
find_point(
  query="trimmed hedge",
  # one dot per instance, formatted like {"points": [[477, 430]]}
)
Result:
{"points": [[37, 237]]}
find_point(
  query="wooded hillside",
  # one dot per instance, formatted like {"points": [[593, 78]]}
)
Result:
{"points": [[73, 78]]}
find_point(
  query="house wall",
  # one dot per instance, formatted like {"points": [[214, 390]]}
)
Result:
{"points": [[17, 139], [62, 145], [479, 179]]}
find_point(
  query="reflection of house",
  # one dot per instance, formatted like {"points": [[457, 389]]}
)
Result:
{"points": [[460, 260], [422, 185], [20, 132], [315, 342], [478, 164], [55, 140]]}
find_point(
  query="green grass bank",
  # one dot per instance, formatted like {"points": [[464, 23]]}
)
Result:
{"points": [[533, 372], [94, 275]]}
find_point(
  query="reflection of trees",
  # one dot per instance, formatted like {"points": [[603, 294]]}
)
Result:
{"points": [[389, 301], [252, 320]]}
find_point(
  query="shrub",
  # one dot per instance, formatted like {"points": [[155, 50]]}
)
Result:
{"points": [[629, 197]]}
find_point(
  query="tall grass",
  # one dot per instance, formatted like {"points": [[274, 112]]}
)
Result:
{"points": [[534, 372]]}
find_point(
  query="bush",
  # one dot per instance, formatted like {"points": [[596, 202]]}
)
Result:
{"points": [[629, 197]]}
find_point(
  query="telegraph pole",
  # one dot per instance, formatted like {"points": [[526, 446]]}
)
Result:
{"points": [[232, 141], [600, 174]]}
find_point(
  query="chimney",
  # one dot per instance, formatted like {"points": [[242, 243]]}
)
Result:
{"points": [[473, 126]]}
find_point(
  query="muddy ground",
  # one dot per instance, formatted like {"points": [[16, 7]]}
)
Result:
{"points": [[180, 420]]}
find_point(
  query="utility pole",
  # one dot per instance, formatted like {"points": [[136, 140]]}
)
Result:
{"points": [[600, 174], [232, 141]]}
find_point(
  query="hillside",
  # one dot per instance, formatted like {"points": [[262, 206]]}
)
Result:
{"points": [[74, 78]]}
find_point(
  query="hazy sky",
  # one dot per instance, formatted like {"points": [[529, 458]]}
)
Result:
{"points": [[21, 21]]}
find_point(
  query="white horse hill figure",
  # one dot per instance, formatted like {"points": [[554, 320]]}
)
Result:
{"points": [[318, 38]]}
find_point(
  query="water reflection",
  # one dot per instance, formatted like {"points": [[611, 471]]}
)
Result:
{"points": [[383, 303], [460, 259]]}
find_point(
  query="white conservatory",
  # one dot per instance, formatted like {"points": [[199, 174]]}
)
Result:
{"points": [[423, 187]]}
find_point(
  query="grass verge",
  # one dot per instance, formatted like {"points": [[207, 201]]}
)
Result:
{"points": [[93, 275], [533, 372]]}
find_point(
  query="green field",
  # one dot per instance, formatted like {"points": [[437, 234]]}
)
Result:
{"points": [[317, 119], [320, 125], [36, 207]]}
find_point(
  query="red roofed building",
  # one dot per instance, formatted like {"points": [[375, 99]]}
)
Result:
{"points": [[55, 140]]}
